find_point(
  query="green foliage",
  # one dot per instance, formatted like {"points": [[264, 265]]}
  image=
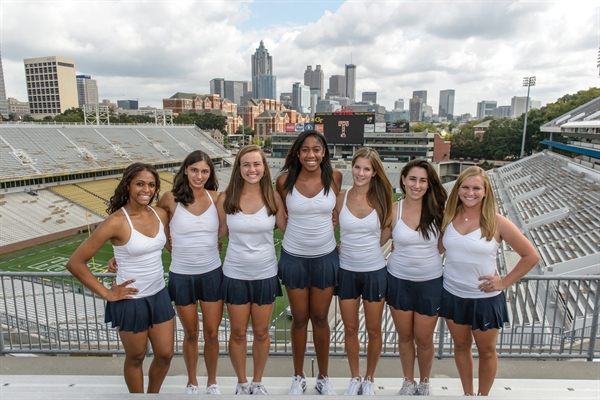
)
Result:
{"points": [[142, 119], [402, 120], [268, 142], [421, 126], [184, 119], [248, 130]]}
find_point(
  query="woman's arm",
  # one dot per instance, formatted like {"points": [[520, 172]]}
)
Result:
{"points": [[281, 216], [337, 179], [282, 192], [77, 264], [223, 230], [339, 203]]}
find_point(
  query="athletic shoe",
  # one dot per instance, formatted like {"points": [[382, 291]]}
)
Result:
{"points": [[367, 388], [191, 389], [354, 387], [257, 388], [324, 387], [242, 388], [213, 389], [409, 388], [424, 388], [298, 385]]}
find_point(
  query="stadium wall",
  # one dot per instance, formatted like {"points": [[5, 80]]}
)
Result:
{"points": [[44, 239]]}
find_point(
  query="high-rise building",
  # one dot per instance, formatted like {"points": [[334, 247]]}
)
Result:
{"points": [[18, 108], [501, 112], [234, 91], [485, 108], [399, 104], [3, 101], [369, 96], [337, 86], [217, 86], [446, 107], [51, 85], [421, 94], [351, 81], [301, 98], [87, 90], [415, 106], [315, 79], [264, 83], [128, 104], [517, 106]]}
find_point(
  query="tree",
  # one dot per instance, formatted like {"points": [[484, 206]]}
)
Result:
{"points": [[248, 130], [73, 114], [142, 119], [210, 121], [421, 126], [268, 142], [184, 119]]}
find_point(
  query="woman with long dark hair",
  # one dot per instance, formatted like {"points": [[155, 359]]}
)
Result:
{"points": [[363, 211], [309, 261], [138, 304], [473, 300], [249, 210], [415, 271]]}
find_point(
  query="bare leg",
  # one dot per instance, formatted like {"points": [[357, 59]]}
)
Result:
{"points": [[135, 345], [424, 326], [373, 314], [161, 337], [299, 302], [463, 355], [403, 320], [212, 313], [320, 300], [239, 315], [188, 315], [349, 310], [261, 317], [488, 358]]}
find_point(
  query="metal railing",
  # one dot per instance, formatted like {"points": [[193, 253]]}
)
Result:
{"points": [[550, 317]]}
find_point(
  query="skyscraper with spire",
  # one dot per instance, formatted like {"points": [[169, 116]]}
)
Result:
{"points": [[264, 83], [3, 101]]}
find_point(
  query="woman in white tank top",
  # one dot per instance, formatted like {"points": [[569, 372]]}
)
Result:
{"points": [[309, 262], [415, 271], [362, 212], [138, 303], [473, 301], [249, 211]]}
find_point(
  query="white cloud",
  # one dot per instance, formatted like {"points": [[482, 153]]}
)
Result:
{"points": [[150, 50]]}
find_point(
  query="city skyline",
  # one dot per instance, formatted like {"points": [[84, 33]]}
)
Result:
{"points": [[480, 49]]}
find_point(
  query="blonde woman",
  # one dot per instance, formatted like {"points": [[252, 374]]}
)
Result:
{"points": [[473, 300], [362, 212]]}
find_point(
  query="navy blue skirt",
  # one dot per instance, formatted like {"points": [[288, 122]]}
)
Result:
{"points": [[261, 291], [370, 285], [421, 297], [137, 315], [483, 314], [302, 273], [188, 289]]}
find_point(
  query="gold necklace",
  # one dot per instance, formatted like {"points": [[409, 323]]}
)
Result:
{"points": [[357, 200]]}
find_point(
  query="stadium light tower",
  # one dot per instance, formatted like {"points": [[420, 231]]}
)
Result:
{"points": [[529, 82]]}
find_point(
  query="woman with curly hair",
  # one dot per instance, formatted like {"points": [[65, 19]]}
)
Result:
{"points": [[138, 303]]}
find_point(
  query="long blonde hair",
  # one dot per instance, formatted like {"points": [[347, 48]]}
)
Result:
{"points": [[488, 221], [380, 193]]}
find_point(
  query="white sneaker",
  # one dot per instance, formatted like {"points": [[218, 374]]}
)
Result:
{"points": [[409, 388], [424, 388], [257, 388], [354, 388], [298, 385], [324, 387], [191, 389], [213, 389], [367, 388], [242, 388]]}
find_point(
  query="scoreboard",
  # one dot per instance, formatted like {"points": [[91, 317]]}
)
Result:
{"points": [[345, 127]]}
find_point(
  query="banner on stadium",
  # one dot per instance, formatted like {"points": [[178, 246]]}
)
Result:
{"points": [[290, 127]]}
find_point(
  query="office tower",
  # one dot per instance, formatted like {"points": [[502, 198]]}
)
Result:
{"points": [[421, 94], [517, 106], [128, 104], [3, 101], [501, 112], [87, 90], [485, 108], [337, 86], [301, 98], [264, 83], [51, 85], [351, 81], [234, 91], [415, 106], [315, 79], [399, 104], [217, 86], [18, 108], [446, 107], [369, 96]]}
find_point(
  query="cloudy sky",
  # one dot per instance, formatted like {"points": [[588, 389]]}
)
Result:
{"points": [[151, 49]]}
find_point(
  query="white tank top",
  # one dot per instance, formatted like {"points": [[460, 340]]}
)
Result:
{"points": [[360, 250], [414, 258], [141, 259], [468, 257], [309, 230], [194, 240], [251, 250]]}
